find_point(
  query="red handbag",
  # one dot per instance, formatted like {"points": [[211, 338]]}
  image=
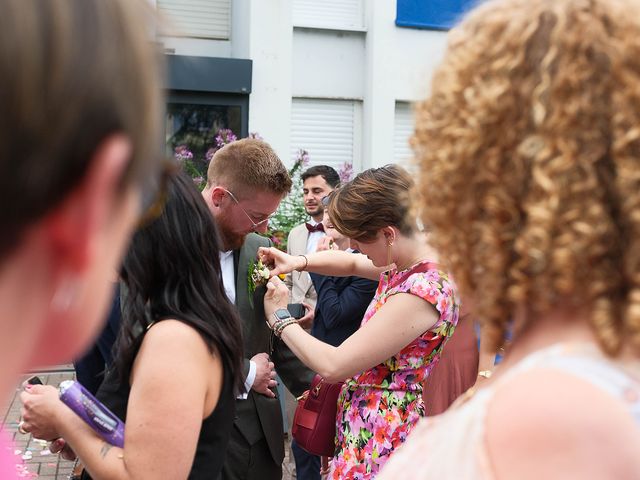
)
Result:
{"points": [[314, 422]]}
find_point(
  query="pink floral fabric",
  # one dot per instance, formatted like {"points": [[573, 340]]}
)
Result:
{"points": [[7, 459], [378, 408]]}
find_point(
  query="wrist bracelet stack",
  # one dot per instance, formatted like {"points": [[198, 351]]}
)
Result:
{"points": [[281, 324], [306, 262]]}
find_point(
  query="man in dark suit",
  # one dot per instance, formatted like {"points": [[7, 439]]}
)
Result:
{"points": [[341, 305], [245, 183], [342, 302], [90, 368]]}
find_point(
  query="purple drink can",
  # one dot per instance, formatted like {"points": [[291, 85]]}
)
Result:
{"points": [[93, 412]]}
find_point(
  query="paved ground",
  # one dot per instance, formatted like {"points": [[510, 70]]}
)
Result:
{"points": [[33, 459]]}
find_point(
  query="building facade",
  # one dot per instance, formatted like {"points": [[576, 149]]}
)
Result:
{"points": [[334, 77]]}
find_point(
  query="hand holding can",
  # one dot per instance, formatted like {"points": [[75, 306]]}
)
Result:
{"points": [[102, 420]]}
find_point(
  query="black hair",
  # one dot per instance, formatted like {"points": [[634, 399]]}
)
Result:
{"points": [[325, 171], [172, 270]]}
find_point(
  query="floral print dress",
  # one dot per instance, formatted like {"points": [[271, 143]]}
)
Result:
{"points": [[378, 407]]}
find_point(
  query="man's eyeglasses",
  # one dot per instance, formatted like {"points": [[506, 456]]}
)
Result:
{"points": [[254, 225]]}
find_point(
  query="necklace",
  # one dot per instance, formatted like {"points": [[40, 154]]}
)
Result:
{"points": [[413, 262]]}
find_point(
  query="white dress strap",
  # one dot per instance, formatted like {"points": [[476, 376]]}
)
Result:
{"points": [[585, 361], [453, 445]]}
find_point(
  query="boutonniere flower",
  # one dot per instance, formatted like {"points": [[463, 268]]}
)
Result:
{"points": [[258, 275]]}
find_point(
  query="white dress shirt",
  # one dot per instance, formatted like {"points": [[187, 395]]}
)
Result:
{"points": [[313, 238], [229, 283]]}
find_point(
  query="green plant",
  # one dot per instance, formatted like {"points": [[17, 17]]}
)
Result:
{"points": [[291, 211]]}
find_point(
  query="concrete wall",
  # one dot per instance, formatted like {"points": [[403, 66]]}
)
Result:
{"points": [[378, 66]]}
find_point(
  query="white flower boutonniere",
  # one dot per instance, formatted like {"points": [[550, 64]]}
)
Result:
{"points": [[258, 275]]}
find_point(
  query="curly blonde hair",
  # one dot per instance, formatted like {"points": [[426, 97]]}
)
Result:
{"points": [[529, 148]]}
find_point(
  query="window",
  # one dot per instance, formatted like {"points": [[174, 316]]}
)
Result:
{"points": [[198, 18], [193, 120], [196, 126], [328, 129], [402, 131], [206, 95], [332, 14], [436, 14]]}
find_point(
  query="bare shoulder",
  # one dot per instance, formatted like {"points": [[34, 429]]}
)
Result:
{"points": [[546, 423], [174, 337], [173, 354]]}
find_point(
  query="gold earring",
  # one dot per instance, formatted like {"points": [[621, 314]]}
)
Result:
{"points": [[388, 261]]}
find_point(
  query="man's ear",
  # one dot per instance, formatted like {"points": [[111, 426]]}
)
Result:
{"points": [[73, 225], [217, 194]]}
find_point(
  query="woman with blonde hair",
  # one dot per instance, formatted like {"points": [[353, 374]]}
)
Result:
{"points": [[530, 142], [412, 315]]}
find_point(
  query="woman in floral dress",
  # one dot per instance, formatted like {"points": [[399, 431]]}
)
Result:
{"points": [[414, 312]]}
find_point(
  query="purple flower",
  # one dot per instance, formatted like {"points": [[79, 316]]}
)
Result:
{"points": [[209, 155], [182, 153], [303, 157], [346, 172], [255, 135], [198, 180], [224, 137]]}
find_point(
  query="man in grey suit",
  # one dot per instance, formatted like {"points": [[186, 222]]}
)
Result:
{"points": [[245, 183]]}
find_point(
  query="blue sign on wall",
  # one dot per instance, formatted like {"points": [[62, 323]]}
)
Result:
{"points": [[434, 14]]}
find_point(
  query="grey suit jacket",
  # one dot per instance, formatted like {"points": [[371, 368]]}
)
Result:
{"points": [[258, 415], [299, 283]]}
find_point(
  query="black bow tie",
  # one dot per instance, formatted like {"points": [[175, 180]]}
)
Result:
{"points": [[318, 227]]}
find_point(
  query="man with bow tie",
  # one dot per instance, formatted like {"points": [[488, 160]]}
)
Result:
{"points": [[317, 182]]}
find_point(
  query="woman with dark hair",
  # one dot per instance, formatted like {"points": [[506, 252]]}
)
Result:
{"points": [[178, 359], [412, 315]]}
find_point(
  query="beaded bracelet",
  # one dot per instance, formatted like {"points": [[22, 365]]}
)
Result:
{"points": [[277, 323], [274, 325], [278, 332]]}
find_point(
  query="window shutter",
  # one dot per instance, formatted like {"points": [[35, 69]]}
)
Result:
{"points": [[198, 18], [335, 14], [328, 129], [402, 129]]}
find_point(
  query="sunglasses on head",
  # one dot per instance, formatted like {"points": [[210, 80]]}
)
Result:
{"points": [[326, 199], [154, 193]]}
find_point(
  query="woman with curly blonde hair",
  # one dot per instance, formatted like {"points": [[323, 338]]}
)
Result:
{"points": [[530, 143]]}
